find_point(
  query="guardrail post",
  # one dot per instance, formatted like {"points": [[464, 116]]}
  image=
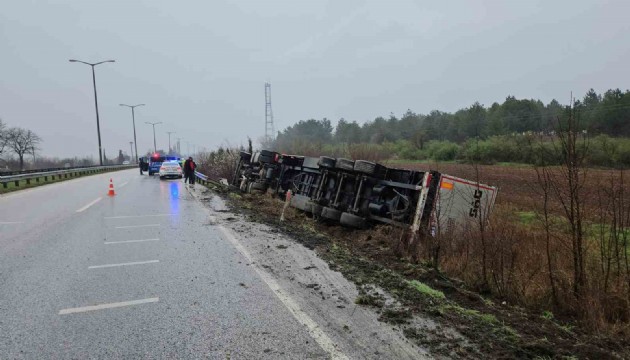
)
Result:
{"points": [[17, 183], [28, 181], [5, 185]]}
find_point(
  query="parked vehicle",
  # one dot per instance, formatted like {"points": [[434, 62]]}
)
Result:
{"points": [[170, 169], [357, 193]]}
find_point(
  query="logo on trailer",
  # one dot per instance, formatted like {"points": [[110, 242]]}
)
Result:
{"points": [[474, 210]]}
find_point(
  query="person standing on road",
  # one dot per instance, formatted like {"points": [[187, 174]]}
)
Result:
{"points": [[185, 168], [141, 164], [190, 167]]}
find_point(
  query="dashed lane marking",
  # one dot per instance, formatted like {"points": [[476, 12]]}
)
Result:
{"points": [[90, 204], [123, 264], [11, 222], [128, 241], [136, 226], [135, 216], [107, 306]]}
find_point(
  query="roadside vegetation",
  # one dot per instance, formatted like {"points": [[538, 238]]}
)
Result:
{"points": [[548, 275]]}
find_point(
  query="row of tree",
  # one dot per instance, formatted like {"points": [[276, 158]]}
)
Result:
{"points": [[17, 141], [607, 113]]}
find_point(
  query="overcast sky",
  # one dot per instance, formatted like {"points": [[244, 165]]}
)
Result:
{"points": [[200, 66]]}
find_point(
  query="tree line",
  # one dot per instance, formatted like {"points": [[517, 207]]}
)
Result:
{"points": [[418, 136], [17, 141]]}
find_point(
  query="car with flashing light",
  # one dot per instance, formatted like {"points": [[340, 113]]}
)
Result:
{"points": [[170, 169]]}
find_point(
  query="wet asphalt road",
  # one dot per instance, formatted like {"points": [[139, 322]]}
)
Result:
{"points": [[138, 275]]}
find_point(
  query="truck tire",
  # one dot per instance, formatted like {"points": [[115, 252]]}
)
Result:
{"points": [[266, 159], [311, 162], [262, 187], [245, 156], [314, 208], [344, 164], [330, 213], [352, 220], [326, 162], [370, 168], [299, 202], [399, 175]]}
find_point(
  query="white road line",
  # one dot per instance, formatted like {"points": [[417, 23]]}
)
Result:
{"points": [[313, 328], [123, 184], [107, 306], [88, 205], [11, 222], [135, 216], [123, 264], [128, 241], [136, 226]]}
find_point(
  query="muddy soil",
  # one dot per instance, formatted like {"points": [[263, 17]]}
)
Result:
{"points": [[465, 323]]}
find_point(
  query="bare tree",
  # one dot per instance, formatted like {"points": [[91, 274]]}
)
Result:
{"points": [[22, 142], [3, 137]]}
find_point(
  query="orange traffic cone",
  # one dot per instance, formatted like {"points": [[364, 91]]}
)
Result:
{"points": [[111, 188]]}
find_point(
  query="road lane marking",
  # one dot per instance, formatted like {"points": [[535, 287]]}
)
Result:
{"points": [[107, 306], [128, 241], [135, 216], [90, 204], [123, 184], [11, 222], [313, 328], [123, 264], [136, 226]]}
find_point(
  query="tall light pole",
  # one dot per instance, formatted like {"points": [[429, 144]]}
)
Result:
{"points": [[154, 143], [133, 118], [169, 140], [98, 125], [131, 149]]}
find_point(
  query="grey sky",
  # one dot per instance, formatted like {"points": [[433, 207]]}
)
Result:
{"points": [[200, 66]]}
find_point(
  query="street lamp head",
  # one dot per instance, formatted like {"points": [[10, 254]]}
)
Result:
{"points": [[72, 60]]}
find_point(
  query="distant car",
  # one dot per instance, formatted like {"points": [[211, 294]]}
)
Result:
{"points": [[126, 162], [171, 169]]}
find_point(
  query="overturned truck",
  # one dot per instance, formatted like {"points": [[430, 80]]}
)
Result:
{"points": [[358, 192]]}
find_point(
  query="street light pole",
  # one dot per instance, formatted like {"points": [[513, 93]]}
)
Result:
{"points": [[131, 149], [98, 125], [133, 118], [169, 140], [154, 143]]}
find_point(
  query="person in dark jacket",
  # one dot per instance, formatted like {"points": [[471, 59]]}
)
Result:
{"points": [[191, 167], [185, 170], [189, 170]]}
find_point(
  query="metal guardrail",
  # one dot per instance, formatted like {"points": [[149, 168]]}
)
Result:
{"points": [[20, 172], [55, 175], [206, 180]]}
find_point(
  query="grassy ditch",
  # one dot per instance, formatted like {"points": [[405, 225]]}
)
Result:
{"points": [[490, 327]]}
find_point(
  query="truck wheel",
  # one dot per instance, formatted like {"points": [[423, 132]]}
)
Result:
{"points": [[299, 202], [265, 158], [245, 156], [330, 213], [313, 208], [326, 162], [370, 168], [344, 164], [259, 186], [352, 220]]}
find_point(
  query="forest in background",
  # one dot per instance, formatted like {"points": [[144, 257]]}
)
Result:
{"points": [[499, 133]]}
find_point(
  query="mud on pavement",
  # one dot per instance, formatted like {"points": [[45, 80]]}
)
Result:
{"points": [[376, 305]]}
